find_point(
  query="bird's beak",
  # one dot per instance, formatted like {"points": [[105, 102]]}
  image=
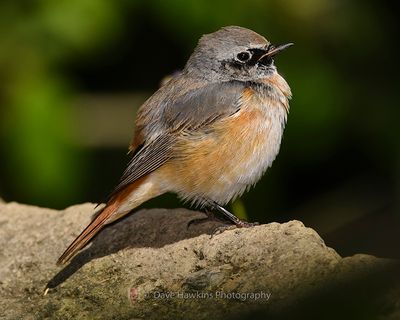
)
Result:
{"points": [[275, 50]]}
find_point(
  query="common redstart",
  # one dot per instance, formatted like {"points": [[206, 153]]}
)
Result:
{"points": [[208, 134]]}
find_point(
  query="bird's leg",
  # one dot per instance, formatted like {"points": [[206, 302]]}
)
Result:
{"points": [[210, 216], [231, 217]]}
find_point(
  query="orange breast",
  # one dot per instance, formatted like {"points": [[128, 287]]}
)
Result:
{"points": [[221, 162]]}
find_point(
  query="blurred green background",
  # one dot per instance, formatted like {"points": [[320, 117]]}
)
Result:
{"points": [[73, 74]]}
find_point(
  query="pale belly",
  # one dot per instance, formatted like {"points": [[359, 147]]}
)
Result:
{"points": [[220, 165]]}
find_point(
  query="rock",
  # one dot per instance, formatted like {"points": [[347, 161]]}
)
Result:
{"points": [[152, 266]]}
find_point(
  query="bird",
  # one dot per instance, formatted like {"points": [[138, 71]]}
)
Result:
{"points": [[208, 134]]}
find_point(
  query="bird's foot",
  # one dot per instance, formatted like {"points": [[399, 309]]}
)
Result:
{"points": [[245, 224], [238, 224]]}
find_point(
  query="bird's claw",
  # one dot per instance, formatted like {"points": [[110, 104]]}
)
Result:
{"points": [[239, 224]]}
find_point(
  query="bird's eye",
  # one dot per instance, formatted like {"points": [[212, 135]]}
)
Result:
{"points": [[243, 56]]}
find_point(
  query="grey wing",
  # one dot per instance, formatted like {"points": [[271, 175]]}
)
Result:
{"points": [[200, 107], [147, 158], [192, 111]]}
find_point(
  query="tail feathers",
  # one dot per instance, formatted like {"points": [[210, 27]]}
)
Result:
{"points": [[113, 210], [88, 233]]}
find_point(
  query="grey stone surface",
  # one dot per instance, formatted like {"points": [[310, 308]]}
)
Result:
{"points": [[151, 266]]}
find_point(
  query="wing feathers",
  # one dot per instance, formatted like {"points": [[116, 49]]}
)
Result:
{"points": [[147, 159], [202, 106]]}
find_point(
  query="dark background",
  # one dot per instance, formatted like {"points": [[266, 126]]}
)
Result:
{"points": [[73, 74]]}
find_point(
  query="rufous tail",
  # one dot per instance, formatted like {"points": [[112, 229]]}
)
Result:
{"points": [[108, 214], [88, 233]]}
